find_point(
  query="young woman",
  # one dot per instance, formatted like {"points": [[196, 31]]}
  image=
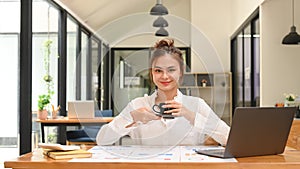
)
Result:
{"points": [[194, 120]]}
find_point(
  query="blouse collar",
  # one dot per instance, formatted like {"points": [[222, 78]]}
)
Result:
{"points": [[177, 98]]}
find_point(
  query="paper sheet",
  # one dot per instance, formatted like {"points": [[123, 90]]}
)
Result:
{"points": [[148, 154]]}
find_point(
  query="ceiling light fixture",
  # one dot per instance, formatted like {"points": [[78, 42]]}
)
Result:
{"points": [[293, 38], [161, 32], [159, 9], [160, 22]]}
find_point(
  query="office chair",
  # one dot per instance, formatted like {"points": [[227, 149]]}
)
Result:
{"points": [[87, 135]]}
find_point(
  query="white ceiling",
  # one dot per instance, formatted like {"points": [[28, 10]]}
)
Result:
{"points": [[96, 13]]}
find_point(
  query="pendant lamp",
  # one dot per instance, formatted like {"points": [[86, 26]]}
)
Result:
{"points": [[160, 22], [159, 9], [293, 38], [161, 32]]}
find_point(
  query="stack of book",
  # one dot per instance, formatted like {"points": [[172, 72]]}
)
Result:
{"points": [[66, 154], [57, 151]]}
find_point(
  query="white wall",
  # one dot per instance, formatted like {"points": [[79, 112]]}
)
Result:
{"points": [[241, 10], [279, 63], [212, 18], [218, 20]]}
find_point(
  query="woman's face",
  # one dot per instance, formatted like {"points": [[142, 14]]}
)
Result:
{"points": [[166, 73]]}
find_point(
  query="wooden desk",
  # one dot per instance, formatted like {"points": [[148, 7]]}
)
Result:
{"points": [[72, 122], [290, 159], [294, 137]]}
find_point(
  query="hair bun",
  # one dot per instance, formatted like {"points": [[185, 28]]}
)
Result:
{"points": [[164, 44]]}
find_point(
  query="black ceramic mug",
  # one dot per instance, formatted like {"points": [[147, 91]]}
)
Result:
{"points": [[160, 110]]}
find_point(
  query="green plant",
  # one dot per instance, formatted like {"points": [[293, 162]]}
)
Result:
{"points": [[43, 101], [290, 97], [51, 138]]}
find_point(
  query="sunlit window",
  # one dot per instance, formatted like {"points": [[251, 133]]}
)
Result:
{"points": [[9, 66], [71, 57]]}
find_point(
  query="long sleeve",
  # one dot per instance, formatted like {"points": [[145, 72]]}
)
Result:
{"points": [[112, 132], [208, 123]]}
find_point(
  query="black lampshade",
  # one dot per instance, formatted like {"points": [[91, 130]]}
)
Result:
{"points": [[293, 38], [161, 32], [160, 22], [159, 9]]}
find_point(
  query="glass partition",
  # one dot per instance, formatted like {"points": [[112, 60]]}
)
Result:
{"points": [[95, 90], [71, 59], [245, 64], [83, 68]]}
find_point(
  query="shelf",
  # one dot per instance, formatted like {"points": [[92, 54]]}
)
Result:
{"points": [[216, 93]]}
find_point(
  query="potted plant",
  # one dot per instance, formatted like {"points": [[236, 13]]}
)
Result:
{"points": [[203, 81], [43, 102], [290, 99]]}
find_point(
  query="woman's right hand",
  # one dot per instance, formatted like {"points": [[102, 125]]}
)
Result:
{"points": [[143, 115]]}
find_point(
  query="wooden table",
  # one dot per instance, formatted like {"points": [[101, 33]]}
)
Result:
{"points": [[290, 159], [72, 122], [294, 137]]}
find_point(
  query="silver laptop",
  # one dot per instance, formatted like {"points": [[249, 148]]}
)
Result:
{"points": [[256, 131], [81, 109]]}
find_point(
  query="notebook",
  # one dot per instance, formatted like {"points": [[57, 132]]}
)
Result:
{"points": [[81, 109], [256, 131]]}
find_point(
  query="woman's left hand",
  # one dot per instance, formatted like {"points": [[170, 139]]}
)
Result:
{"points": [[179, 110]]}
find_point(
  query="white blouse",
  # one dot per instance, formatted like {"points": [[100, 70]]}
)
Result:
{"points": [[177, 131]]}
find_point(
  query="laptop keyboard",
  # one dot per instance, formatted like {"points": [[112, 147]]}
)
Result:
{"points": [[217, 152]]}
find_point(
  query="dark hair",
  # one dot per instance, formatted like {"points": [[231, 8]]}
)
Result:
{"points": [[163, 47], [166, 46]]}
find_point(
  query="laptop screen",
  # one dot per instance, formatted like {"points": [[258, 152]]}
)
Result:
{"points": [[81, 109], [259, 130]]}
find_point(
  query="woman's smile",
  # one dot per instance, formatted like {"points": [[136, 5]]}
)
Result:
{"points": [[165, 83]]}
